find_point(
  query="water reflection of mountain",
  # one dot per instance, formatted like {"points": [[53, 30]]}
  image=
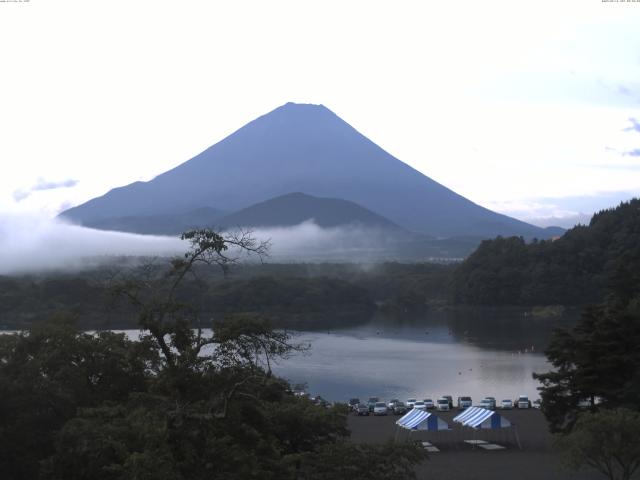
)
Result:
{"points": [[496, 328]]}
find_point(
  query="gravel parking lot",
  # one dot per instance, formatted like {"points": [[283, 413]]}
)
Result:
{"points": [[460, 461]]}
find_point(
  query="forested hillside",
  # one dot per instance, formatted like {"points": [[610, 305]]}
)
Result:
{"points": [[298, 296], [574, 269]]}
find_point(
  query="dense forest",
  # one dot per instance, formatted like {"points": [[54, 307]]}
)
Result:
{"points": [[299, 296], [575, 269]]}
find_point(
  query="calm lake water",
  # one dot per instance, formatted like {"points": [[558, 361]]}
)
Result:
{"points": [[428, 357]]}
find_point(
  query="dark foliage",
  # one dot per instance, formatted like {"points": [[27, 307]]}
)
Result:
{"points": [[294, 302], [575, 269], [291, 295], [597, 362], [47, 374], [606, 441]]}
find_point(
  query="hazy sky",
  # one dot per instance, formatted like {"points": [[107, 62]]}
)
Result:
{"points": [[531, 108]]}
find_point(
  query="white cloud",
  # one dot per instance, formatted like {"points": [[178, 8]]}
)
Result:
{"points": [[310, 242], [539, 213], [42, 185], [565, 211], [635, 126], [33, 243], [30, 243]]}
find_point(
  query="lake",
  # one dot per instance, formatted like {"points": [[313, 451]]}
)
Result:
{"points": [[476, 354]]}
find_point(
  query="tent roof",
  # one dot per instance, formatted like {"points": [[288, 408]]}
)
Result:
{"points": [[418, 419], [478, 417]]}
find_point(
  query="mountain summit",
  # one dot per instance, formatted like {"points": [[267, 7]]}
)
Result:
{"points": [[309, 149]]}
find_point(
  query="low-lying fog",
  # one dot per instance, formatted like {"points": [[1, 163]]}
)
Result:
{"points": [[31, 243]]}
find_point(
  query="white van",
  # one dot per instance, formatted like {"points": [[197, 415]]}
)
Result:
{"points": [[523, 402]]}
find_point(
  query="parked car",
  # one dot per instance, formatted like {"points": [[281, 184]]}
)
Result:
{"points": [[392, 403], [537, 403], [450, 400], [353, 403], [523, 402], [506, 404], [380, 408], [488, 403], [420, 405], [399, 408], [429, 403], [361, 409], [442, 405], [464, 402], [410, 403], [371, 403]]}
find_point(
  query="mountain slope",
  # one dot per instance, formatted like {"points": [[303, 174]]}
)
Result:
{"points": [[295, 208], [303, 148], [167, 224]]}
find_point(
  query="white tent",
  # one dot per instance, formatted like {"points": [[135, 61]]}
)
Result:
{"points": [[418, 419], [478, 417]]}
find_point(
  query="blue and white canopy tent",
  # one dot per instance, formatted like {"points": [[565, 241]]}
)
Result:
{"points": [[421, 420], [418, 419], [480, 418]]}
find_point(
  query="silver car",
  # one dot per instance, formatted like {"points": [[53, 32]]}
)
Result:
{"points": [[442, 405], [399, 409], [380, 408], [488, 403], [420, 405], [464, 402]]}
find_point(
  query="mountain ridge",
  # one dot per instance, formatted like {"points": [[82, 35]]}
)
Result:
{"points": [[296, 207]]}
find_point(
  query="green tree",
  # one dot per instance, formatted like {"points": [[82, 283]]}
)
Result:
{"points": [[597, 361], [166, 317], [607, 441], [46, 374]]}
